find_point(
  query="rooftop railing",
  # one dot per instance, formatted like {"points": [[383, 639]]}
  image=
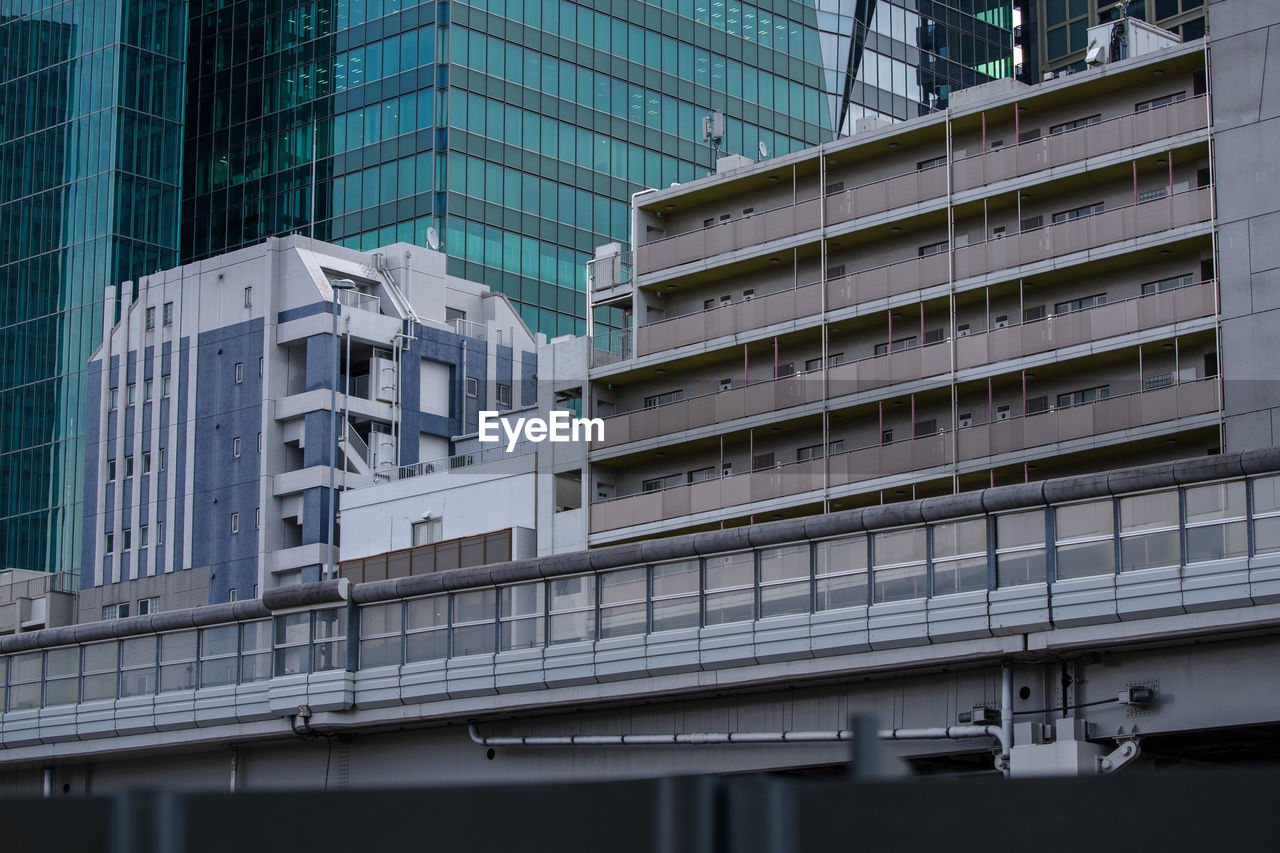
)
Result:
{"points": [[12, 590]]}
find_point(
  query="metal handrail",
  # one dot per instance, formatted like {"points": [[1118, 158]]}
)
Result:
{"points": [[359, 300], [65, 581]]}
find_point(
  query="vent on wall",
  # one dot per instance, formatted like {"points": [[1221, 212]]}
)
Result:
{"points": [[1001, 321], [966, 420], [1002, 413]]}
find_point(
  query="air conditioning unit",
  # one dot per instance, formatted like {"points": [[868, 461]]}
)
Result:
{"points": [[962, 331], [1002, 413], [1002, 321], [966, 420]]}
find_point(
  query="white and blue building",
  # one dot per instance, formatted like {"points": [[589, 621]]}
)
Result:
{"points": [[232, 397]]}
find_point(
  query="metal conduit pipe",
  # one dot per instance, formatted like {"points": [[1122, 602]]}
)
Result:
{"points": [[703, 738], [1006, 718]]}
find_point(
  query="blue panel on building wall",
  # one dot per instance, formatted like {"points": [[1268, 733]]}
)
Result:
{"points": [[305, 311], [148, 363], [315, 516], [92, 518], [321, 361], [528, 378], [180, 457]]}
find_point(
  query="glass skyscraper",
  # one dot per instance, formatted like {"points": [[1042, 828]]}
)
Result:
{"points": [[516, 129], [91, 96]]}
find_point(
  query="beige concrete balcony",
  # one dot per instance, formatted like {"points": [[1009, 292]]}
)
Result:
{"points": [[1042, 430], [1114, 319], [914, 274], [915, 187], [1094, 140]]}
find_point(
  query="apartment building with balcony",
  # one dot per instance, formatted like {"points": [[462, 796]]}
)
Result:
{"points": [[1021, 287], [232, 397]]}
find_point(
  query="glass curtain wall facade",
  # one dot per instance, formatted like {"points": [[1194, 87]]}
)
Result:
{"points": [[1063, 24], [91, 96], [518, 129]]}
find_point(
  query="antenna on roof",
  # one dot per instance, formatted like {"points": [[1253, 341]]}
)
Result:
{"points": [[433, 238]]}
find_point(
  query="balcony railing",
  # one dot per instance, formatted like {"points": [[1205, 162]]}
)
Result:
{"points": [[445, 464], [358, 300], [68, 581], [915, 274], [608, 272], [467, 328], [1046, 334], [611, 347], [918, 186], [978, 441]]}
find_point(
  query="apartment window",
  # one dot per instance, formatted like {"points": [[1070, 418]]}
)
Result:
{"points": [[159, 532], [1075, 124], [730, 588], [380, 626], [520, 622], [111, 470], [1085, 543], [426, 629], [657, 484], [1082, 304], [114, 611], [933, 336], [1020, 551], [1159, 380], [504, 395], [926, 428], [128, 466], [835, 359], [235, 448], [675, 595], [933, 249], [142, 536], [708, 304], [931, 163], [701, 475], [168, 313], [257, 518], [1162, 101], [259, 442], [233, 594], [239, 372], [1035, 405], [162, 450], [1164, 284], [835, 271], [959, 556], [147, 388], [900, 344], [127, 539], [148, 605], [761, 461], [571, 615], [812, 364], [1078, 212], [747, 211], [898, 565], [151, 319], [428, 531], [840, 573], [146, 462], [666, 398], [804, 454], [1031, 223], [164, 385], [1036, 312], [473, 387], [451, 314], [886, 436], [1216, 522], [248, 297], [1149, 531], [133, 393], [235, 522], [726, 384], [1084, 396], [113, 398], [1152, 195], [1030, 135], [108, 542]]}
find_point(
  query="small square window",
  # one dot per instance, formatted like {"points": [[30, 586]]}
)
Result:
{"points": [[248, 297], [114, 399], [259, 367], [128, 539], [128, 466], [146, 462], [257, 519], [473, 387], [259, 442], [109, 542], [504, 395], [148, 387], [164, 385], [168, 313], [111, 470], [232, 595], [235, 448], [142, 536], [162, 459], [151, 319], [133, 393], [159, 532], [239, 372], [235, 522]]}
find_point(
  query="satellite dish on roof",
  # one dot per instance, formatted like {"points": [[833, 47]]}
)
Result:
{"points": [[764, 150], [433, 238]]}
